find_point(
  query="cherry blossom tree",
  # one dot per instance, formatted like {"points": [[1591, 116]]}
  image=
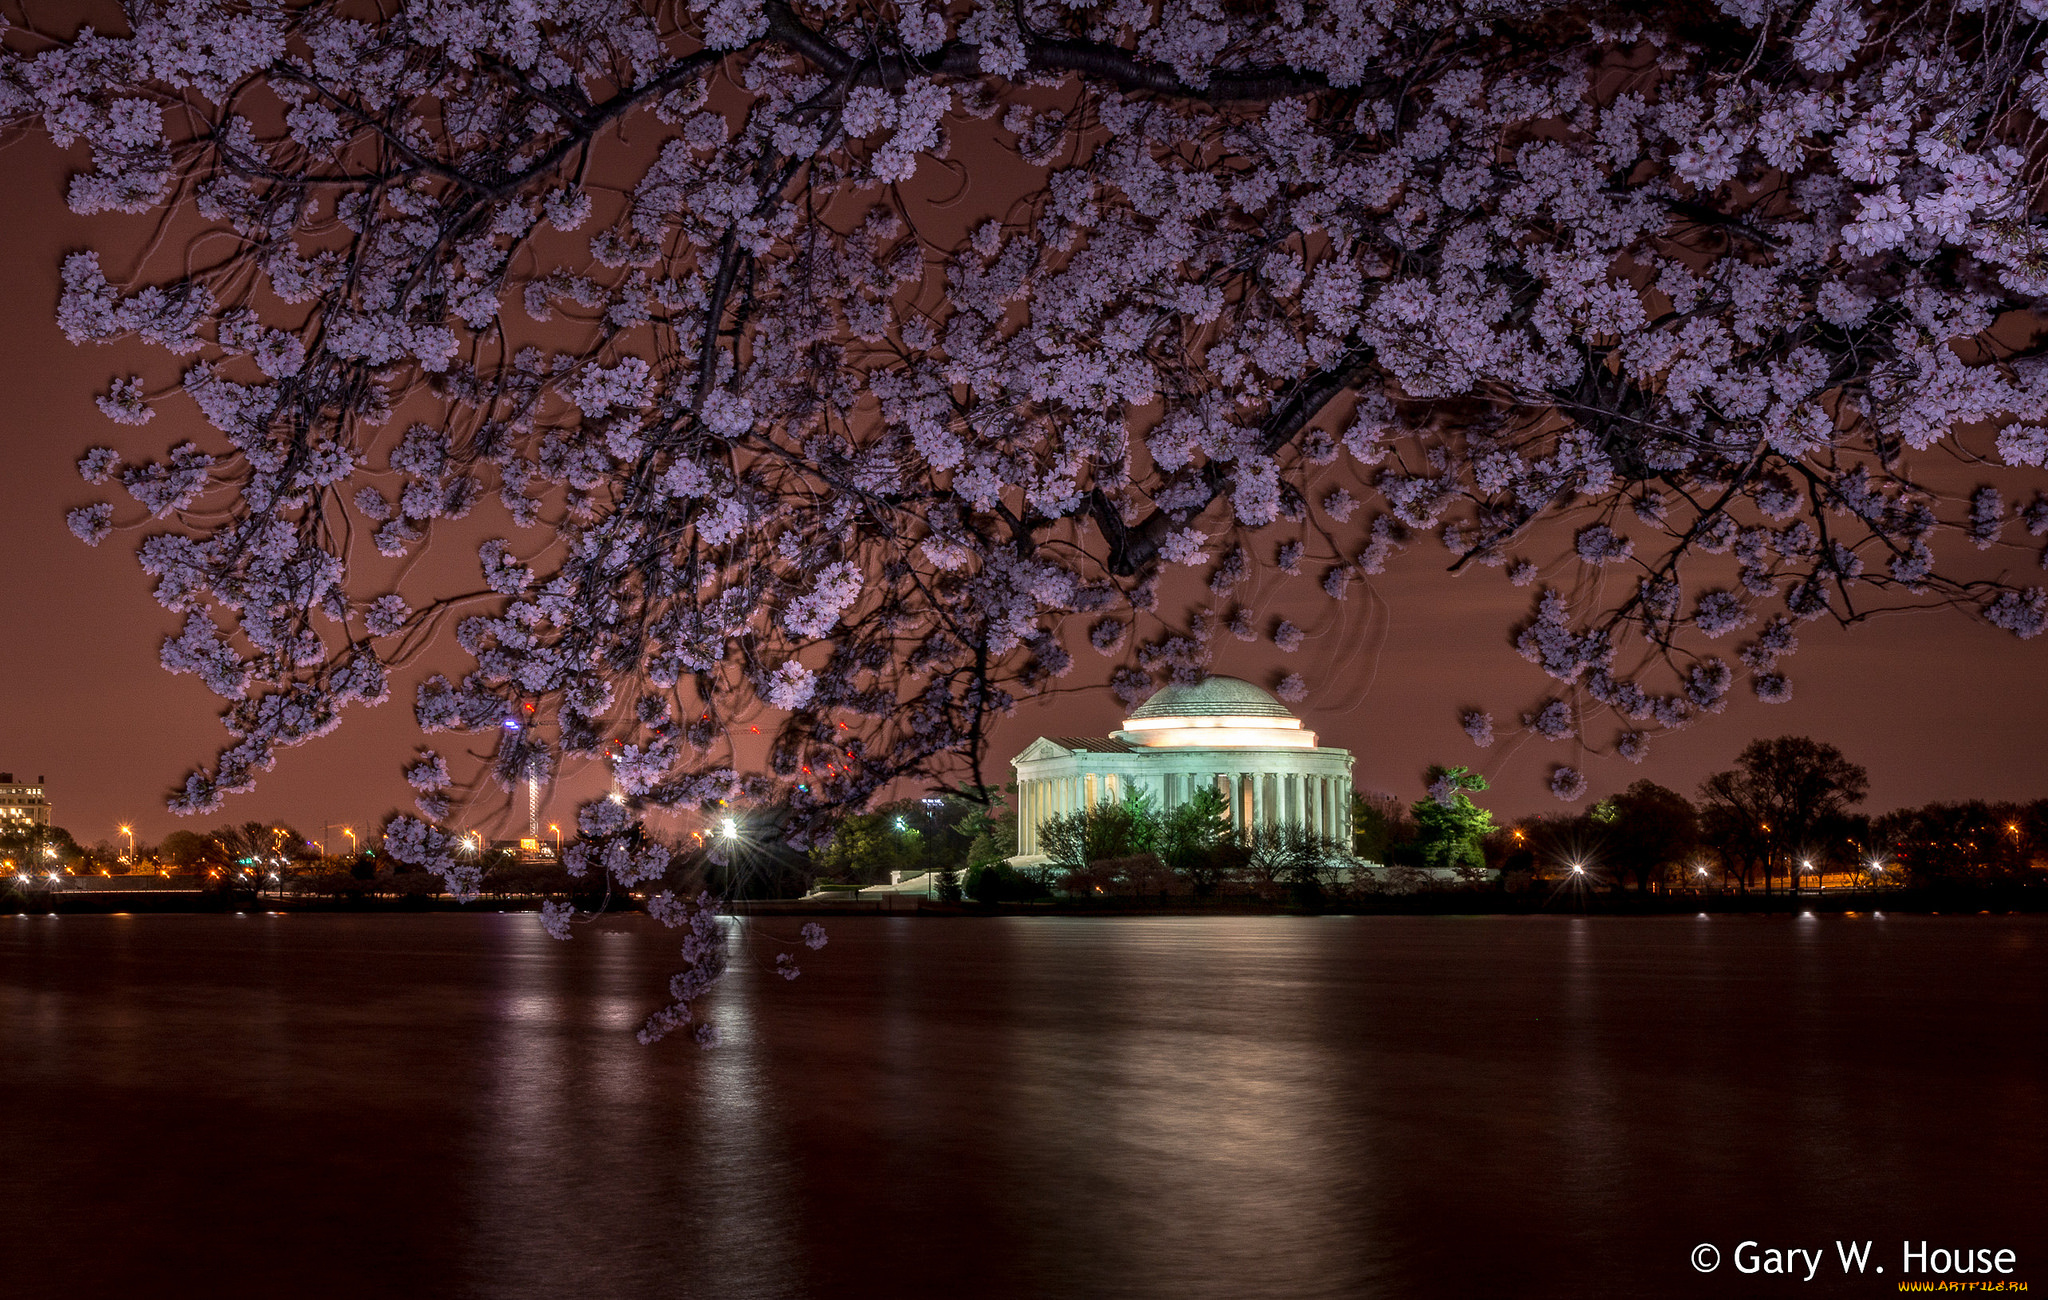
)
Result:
{"points": [[1684, 324]]}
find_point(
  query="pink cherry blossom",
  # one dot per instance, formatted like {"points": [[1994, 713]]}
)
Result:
{"points": [[1300, 293]]}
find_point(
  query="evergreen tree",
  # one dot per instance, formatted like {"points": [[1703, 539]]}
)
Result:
{"points": [[1450, 828], [1190, 839]]}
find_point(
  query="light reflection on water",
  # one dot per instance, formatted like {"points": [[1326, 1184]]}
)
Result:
{"points": [[1175, 1108]]}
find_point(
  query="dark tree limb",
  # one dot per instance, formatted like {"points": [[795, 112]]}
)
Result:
{"points": [[1134, 547], [1094, 59]]}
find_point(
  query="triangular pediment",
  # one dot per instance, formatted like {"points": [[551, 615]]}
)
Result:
{"points": [[1043, 747]]}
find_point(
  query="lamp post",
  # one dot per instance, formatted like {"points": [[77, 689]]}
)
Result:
{"points": [[557, 832], [351, 840], [129, 831]]}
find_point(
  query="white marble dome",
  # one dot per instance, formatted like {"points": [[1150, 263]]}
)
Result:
{"points": [[1215, 713], [1231, 697], [1221, 733]]}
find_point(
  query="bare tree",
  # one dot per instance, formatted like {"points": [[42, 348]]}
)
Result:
{"points": [[1769, 805]]}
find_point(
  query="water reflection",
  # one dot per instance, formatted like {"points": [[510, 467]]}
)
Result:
{"points": [[1173, 1108], [743, 1211]]}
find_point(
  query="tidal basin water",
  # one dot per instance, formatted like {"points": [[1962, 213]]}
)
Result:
{"points": [[455, 1105]]}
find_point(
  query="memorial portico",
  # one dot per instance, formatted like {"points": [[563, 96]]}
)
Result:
{"points": [[1222, 733]]}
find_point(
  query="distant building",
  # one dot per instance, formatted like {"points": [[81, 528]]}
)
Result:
{"points": [[527, 849], [22, 806], [1222, 733]]}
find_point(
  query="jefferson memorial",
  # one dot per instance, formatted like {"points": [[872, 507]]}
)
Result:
{"points": [[1221, 732]]}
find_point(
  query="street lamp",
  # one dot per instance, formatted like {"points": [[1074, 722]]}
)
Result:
{"points": [[129, 831], [558, 840], [351, 840], [729, 827]]}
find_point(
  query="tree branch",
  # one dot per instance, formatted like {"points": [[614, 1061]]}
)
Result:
{"points": [[1135, 547], [1093, 59]]}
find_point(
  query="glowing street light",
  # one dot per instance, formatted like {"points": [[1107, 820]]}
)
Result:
{"points": [[352, 847], [729, 827], [129, 831], [558, 840]]}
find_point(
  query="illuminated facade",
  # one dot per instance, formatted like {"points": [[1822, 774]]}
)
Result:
{"points": [[1221, 732], [22, 805]]}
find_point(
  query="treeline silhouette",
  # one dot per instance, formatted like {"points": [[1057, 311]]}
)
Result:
{"points": [[1783, 817]]}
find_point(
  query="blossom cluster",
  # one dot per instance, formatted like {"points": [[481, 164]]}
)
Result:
{"points": [[1652, 320]]}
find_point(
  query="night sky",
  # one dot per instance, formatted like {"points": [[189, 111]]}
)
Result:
{"points": [[1937, 707]]}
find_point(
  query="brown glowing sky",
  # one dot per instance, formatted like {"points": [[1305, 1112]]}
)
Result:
{"points": [[1936, 706]]}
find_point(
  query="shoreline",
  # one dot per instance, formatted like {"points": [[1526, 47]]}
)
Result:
{"points": [[1993, 900]]}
